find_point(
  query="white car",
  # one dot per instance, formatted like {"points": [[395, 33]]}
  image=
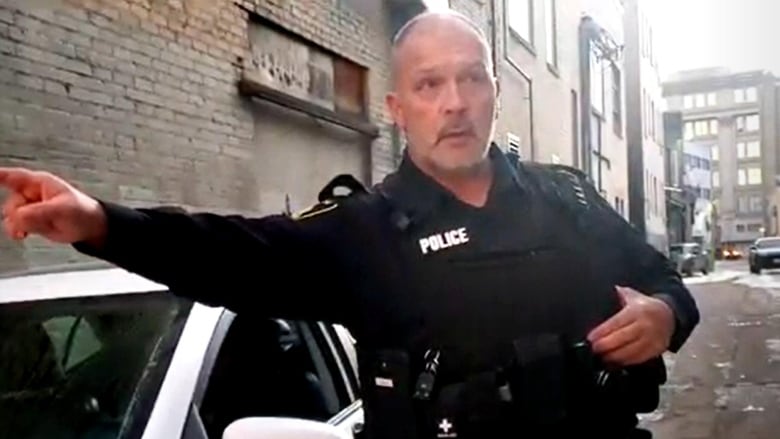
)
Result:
{"points": [[98, 352]]}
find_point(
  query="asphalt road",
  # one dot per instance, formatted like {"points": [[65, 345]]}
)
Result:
{"points": [[725, 383]]}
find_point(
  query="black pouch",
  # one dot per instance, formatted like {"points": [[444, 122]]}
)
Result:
{"points": [[474, 408], [539, 381], [389, 410]]}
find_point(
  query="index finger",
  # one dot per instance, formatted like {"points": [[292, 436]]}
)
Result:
{"points": [[16, 178], [620, 320]]}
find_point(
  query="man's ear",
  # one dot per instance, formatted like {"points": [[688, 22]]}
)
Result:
{"points": [[498, 99], [395, 110]]}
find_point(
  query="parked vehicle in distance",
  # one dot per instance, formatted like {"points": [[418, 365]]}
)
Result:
{"points": [[764, 253], [103, 353], [689, 258]]}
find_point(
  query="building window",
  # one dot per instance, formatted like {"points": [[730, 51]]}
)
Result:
{"points": [[756, 204], [651, 122], [701, 128], [519, 14], [743, 95], [701, 101], [751, 94], [689, 132], [617, 100], [712, 99], [754, 227], [598, 161], [754, 149], [748, 123], [688, 102], [741, 150], [715, 155], [742, 204], [754, 176], [715, 179], [597, 82], [741, 177], [739, 95], [740, 228], [551, 19]]}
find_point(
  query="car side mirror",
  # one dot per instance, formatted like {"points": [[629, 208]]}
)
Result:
{"points": [[282, 428]]}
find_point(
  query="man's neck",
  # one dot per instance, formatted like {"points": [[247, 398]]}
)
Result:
{"points": [[470, 186]]}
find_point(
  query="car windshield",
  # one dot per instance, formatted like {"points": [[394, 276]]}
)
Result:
{"points": [[768, 243], [84, 368], [679, 249]]}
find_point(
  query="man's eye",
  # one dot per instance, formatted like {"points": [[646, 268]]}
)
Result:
{"points": [[427, 83], [476, 77]]}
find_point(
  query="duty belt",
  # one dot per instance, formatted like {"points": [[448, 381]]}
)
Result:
{"points": [[546, 384]]}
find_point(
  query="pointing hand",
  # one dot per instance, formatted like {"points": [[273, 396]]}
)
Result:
{"points": [[44, 204]]}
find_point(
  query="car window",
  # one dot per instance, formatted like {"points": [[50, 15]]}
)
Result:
{"points": [[269, 367], [88, 367], [768, 243]]}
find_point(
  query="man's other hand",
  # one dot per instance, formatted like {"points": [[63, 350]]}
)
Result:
{"points": [[44, 204], [640, 331]]}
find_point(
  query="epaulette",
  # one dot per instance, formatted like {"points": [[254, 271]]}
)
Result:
{"points": [[328, 200], [560, 181]]}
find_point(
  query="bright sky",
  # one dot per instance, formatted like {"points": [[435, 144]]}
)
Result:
{"points": [[738, 34]]}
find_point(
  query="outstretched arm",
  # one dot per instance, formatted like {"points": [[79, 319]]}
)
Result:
{"points": [[274, 265]]}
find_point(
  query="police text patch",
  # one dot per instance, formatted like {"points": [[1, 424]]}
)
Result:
{"points": [[440, 241]]}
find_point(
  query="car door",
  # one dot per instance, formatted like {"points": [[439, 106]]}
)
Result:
{"points": [[271, 367], [85, 366]]}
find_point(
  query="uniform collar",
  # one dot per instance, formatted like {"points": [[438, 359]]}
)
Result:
{"points": [[419, 195]]}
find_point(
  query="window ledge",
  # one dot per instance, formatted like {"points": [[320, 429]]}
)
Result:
{"points": [[525, 43], [554, 70], [251, 88]]}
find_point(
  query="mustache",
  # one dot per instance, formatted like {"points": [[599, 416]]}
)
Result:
{"points": [[460, 127]]}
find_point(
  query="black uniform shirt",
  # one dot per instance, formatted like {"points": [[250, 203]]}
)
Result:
{"points": [[341, 262]]}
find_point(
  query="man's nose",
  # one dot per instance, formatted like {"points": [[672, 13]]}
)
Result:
{"points": [[453, 100]]}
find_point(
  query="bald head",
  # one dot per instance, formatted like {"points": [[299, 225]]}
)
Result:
{"points": [[435, 24], [444, 92]]}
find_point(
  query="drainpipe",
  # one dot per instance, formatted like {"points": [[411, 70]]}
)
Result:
{"points": [[586, 32]]}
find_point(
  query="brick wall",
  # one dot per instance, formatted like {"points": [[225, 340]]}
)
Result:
{"points": [[136, 101]]}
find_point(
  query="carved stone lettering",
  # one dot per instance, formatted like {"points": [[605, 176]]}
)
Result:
{"points": [[291, 66]]}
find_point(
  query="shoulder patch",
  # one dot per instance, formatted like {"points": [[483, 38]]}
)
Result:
{"points": [[316, 210]]}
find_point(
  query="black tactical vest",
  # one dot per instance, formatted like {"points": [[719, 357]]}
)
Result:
{"points": [[484, 303]]}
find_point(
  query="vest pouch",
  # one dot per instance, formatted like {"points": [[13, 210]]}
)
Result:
{"points": [[474, 408], [538, 380], [389, 410]]}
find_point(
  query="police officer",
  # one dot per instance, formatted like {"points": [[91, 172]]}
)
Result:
{"points": [[488, 299]]}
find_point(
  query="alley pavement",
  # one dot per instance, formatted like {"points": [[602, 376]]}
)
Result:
{"points": [[725, 383]]}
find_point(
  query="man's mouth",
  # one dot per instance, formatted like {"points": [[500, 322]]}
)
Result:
{"points": [[457, 134]]}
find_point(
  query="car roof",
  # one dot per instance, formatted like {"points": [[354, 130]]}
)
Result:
{"points": [[72, 280]]}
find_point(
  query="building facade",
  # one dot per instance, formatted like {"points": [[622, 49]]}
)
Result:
{"points": [[246, 107], [644, 126], [250, 107], [603, 106], [734, 116]]}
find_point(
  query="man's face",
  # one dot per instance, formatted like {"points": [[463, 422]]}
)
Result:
{"points": [[445, 96]]}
